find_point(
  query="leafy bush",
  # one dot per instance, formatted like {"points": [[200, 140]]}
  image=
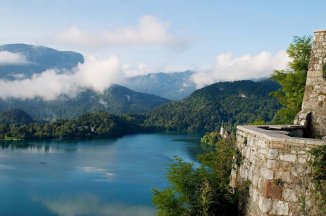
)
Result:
{"points": [[202, 190]]}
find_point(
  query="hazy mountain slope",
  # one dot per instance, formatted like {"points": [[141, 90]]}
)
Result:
{"points": [[173, 86], [15, 116], [117, 100], [231, 102], [39, 59]]}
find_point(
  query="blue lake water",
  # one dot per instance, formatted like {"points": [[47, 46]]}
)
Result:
{"points": [[93, 177]]}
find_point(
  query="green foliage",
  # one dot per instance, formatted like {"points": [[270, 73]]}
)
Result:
{"points": [[293, 81], [230, 102], [89, 125], [211, 138], [278, 182], [202, 190], [299, 52], [258, 122], [324, 71], [318, 165]]}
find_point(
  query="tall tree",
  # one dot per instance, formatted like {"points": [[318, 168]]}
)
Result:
{"points": [[293, 81]]}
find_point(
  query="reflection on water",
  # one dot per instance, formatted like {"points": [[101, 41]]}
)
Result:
{"points": [[93, 177], [42, 147], [92, 205]]}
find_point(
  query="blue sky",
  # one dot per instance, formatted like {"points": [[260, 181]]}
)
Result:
{"points": [[194, 33]]}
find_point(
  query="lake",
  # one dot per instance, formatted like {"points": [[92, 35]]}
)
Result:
{"points": [[91, 177]]}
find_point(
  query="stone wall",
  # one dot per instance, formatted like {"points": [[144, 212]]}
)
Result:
{"points": [[314, 100], [276, 169]]}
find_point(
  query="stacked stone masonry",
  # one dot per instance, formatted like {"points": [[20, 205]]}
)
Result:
{"points": [[314, 100], [275, 165]]}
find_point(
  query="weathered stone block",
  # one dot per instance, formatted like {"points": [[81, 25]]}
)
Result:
{"points": [[290, 195], [267, 173], [302, 160], [280, 208], [288, 157], [265, 205], [272, 154], [272, 191], [271, 164]]}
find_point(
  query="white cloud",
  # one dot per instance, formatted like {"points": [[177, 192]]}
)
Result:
{"points": [[149, 31], [230, 68], [93, 205], [93, 74], [10, 58]]}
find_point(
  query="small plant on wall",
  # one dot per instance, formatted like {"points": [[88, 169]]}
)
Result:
{"points": [[318, 165], [324, 71]]}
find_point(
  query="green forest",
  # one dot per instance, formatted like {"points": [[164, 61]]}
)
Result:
{"points": [[89, 125], [206, 109]]}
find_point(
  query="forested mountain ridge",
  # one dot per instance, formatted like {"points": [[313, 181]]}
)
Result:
{"points": [[235, 102], [116, 100], [229, 102]]}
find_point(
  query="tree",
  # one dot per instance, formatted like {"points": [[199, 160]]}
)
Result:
{"points": [[202, 190], [292, 81]]}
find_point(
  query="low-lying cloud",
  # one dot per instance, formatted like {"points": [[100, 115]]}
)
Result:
{"points": [[149, 31], [231, 68], [93, 74], [10, 58], [98, 75]]}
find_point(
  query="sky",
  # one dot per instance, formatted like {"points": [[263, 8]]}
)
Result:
{"points": [[219, 39]]}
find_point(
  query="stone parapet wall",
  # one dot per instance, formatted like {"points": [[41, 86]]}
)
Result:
{"points": [[275, 166]]}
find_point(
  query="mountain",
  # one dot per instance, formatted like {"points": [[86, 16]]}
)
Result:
{"points": [[230, 102], [14, 116], [173, 86], [116, 99], [39, 59]]}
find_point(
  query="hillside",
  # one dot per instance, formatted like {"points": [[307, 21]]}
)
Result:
{"points": [[230, 102], [117, 100], [39, 59], [173, 86], [15, 116]]}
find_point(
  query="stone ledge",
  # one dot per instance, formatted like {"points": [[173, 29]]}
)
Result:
{"points": [[276, 134]]}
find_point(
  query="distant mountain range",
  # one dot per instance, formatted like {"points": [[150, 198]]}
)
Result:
{"points": [[205, 109], [174, 86], [116, 99]]}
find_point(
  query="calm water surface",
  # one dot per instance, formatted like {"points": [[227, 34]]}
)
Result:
{"points": [[97, 177]]}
